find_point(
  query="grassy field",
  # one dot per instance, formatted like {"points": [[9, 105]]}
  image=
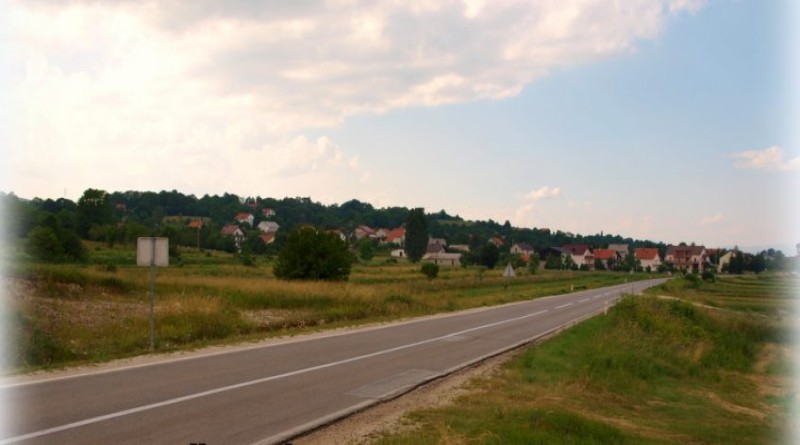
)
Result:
{"points": [[72, 314], [653, 371]]}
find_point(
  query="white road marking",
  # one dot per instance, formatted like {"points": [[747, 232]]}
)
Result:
{"points": [[176, 400], [563, 305], [584, 300]]}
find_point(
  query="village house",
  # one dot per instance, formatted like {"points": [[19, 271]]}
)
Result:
{"points": [[364, 232], [232, 230], [443, 259], [648, 258], [267, 238], [380, 234], [689, 258], [523, 249], [608, 257], [581, 254], [497, 241], [460, 247], [396, 236], [244, 218], [267, 212], [268, 226], [622, 249], [725, 259], [434, 248]]}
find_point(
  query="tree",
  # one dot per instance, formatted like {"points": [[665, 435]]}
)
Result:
{"points": [[416, 234], [94, 208], [533, 263], [366, 250], [310, 254], [489, 255]]}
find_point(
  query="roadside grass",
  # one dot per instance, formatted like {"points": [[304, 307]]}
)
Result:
{"points": [[653, 371], [64, 314]]}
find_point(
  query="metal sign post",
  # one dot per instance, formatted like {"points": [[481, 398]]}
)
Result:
{"points": [[152, 252]]}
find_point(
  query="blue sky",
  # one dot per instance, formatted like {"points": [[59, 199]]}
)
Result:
{"points": [[659, 119]]}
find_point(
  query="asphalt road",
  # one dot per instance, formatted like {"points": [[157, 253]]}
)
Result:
{"points": [[269, 394]]}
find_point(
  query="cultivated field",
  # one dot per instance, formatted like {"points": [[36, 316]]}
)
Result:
{"points": [[72, 314]]}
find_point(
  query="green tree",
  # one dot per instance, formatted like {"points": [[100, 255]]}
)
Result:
{"points": [[366, 249], [489, 255], [44, 245], [533, 263], [94, 209], [416, 234], [310, 254]]}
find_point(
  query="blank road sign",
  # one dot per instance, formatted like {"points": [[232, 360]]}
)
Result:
{"points": [[148, 253]]}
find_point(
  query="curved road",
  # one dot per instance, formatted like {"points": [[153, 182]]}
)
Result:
{"points": [[271, 393]]}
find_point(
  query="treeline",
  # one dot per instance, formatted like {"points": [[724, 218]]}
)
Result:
{"points": [[50, 227]]}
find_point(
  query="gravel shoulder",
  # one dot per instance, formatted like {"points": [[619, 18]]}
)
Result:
{"points": [[366, 426]]}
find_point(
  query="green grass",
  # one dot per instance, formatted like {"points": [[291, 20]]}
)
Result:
{"points": [[652, 371], [69, 314]]}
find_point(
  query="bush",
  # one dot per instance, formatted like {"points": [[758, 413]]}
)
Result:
{"points": [[708, 275], [310, 254], [430, 270]]}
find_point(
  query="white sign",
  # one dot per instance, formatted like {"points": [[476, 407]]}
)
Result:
{"points": [[152, 251], [509, 272]]}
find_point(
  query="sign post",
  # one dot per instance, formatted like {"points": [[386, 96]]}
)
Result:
{"points": [[508, 273], [153, 252]]}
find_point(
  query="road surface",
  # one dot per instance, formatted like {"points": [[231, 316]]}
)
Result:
{"points": [[271, 393]]}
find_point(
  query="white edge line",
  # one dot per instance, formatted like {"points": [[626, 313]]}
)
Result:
{"points": [[251, 383]]}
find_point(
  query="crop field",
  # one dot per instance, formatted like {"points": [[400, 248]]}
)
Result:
{"points": [[66, 314], [653, 371]]}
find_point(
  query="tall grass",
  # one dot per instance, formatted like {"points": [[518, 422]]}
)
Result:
{"points": [[84, 313]]}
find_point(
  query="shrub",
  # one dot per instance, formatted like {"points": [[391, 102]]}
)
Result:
{"points": [[430, 270]]}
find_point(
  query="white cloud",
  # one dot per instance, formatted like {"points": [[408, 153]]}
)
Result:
{"points": [[771, 158], [543, 193], [184, 83]]}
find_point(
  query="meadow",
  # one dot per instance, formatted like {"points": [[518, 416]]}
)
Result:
{"points": [[67, 314], [712, 363]]}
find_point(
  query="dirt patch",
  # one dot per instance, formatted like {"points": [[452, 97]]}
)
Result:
{"points": [[389, 417]]}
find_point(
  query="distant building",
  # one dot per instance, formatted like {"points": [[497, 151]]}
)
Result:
{"points": [[648, 257], [268, 226], [244, 218], [443, 259], [689, 258]]}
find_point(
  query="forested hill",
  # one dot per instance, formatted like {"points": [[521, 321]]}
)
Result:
{"points": [[122, 216]]}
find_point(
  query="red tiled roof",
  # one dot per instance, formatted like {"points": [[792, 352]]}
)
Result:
{"points": [[576, 249], [230, 229], [395, 234], [267, 238], [604, 254], [242, 216], [646, 253]]}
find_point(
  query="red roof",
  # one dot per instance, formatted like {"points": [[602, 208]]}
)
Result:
{"points": [[230, 229], [395, 235], [268, 237], [576, 249], [646, 253], [195, 224], [604, 254], [242, 216]]}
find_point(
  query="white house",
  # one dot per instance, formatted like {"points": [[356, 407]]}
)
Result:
{"points": [[648, 257], [244, 218], [268, 226], [443, 259]]}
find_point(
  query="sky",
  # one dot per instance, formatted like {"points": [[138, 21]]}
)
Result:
{"points": [[669, 120]]}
